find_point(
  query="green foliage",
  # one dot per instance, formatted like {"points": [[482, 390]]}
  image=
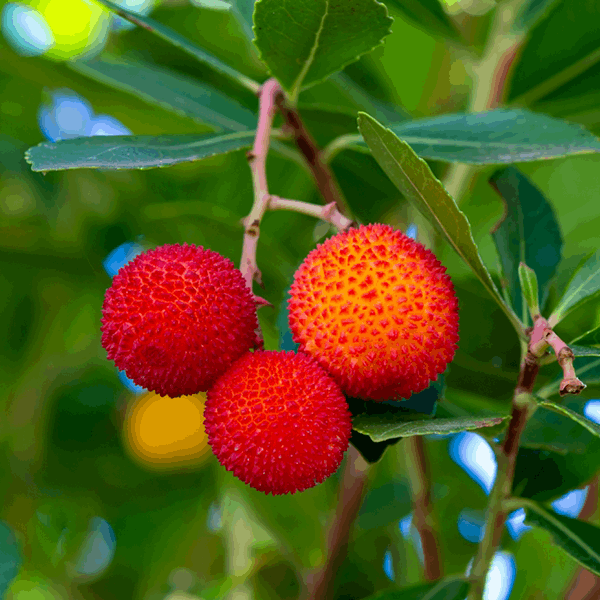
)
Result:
{"points": [[185, 82]]}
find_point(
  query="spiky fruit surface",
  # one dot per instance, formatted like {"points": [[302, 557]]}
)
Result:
{"points": [[277, 421], [176, 317], [376, 310]]}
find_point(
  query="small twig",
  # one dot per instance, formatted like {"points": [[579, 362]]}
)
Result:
{"points": [[257, 159], [423, 520], [328, 213], [319, 583], [323, 175], [542, 338]]}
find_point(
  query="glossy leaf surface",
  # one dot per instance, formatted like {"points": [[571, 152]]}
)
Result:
{"points": [[132, 152]]}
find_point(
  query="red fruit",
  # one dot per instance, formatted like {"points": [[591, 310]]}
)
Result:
{"points": [[277, 421], [175, 318], [377, 311]]}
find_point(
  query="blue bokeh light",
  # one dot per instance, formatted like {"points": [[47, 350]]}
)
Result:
{"points": [[120, 256], [68, 116], [592, 411], [98, 549], [388, 565], [26, 30], [411, 231], [571, 503], [471, 525], [476, 457], [140, 7], [500, 578], [128, 383], [515, 523], [405, 524]]}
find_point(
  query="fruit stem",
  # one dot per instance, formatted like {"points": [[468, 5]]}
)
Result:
{"points": [[319, 583], [328, 213], [423, 519]]}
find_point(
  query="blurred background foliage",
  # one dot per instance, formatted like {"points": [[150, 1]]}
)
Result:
{"points": [[90, 510]]}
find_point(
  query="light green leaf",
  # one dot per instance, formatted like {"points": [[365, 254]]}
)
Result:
{"points": [[177, 40], [132, 152], [589, 338], [585, 350], [390, 425], [170, 90], [529, 286], [583, 285], [243, 10], [413, 177], [592, 427], [578, 539], [498, 136], [304, 41]]}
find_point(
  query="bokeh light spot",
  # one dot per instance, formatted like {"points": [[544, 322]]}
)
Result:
{"points": [[476, 457], [26, 30]]}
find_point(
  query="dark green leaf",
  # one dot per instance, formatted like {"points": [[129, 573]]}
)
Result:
{"points": [[527, 233], [578, 539], [531, 12], [427, 15], [10, 557], [449, 588], [390, 425], [547, 430], [589, 338], [304, 41], [177, 40], [584, 284], [529, 285], [545, 475], [169, 90], [592, 427], [132, 152], [413, 177], [495, 137], [560, 47]]}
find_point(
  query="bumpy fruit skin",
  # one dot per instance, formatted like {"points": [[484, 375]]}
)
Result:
{"points": [[176, 317], [277, 421], [377, 311]]}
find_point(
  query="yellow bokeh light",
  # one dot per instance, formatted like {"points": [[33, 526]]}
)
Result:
{"points": [[166, 432], [78, 26]]}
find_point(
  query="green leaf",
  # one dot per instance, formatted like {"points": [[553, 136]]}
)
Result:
{"points": [[448, 588], [494, 137], [132, 152], [177, 40], [531, 12], [10, 557], [427, 15], [589, 338], [546, 475], [169, 90], [585, 350], [584, 284], [561, 47], [304, 41], [243, 10], [527, 233], [592, 427], [529, 285], [413, 177], [390, 425], [578, 539], [547, 430]]}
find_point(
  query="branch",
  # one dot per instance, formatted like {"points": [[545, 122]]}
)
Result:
{"points": [[323, 175], [328, 213], [423, 520], [319, 584]]}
